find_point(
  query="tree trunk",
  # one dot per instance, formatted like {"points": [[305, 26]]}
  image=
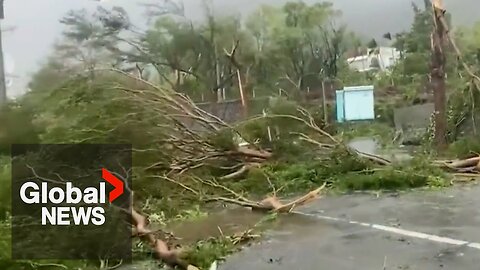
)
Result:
{"points": [[438, 79], [214, 99], [178, 81]]}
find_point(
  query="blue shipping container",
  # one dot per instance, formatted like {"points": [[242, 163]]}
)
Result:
{"points": [[355, 103], [339, 101]]}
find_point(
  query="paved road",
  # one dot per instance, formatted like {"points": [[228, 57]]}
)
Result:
{"points": [[419, 230]]}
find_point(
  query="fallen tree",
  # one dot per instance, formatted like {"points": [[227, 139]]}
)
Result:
{"points": [[469, 165], [173, 257], [183, 139], [194, 136]]}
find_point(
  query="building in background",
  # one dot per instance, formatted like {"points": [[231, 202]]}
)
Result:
{"points": [[377, 59]]}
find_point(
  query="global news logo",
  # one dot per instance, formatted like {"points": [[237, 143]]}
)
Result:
{"points": [[85, 206]]}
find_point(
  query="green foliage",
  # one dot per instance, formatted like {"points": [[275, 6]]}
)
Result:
{"points": [[301, 174], [418, 38], [6, 263], [409, 76], [6, 184], [414, 174], [92, 112], [286, 123], [416, 63], [294, 40], [278, 109], [223, 140], [256, 130], [345, 172], [465, 147], [349, 77], [388, 179], [385, 113], [468, 40], [205, 252], [372, 44], [5, 240], [17, 127], [50, 75], [297, 177], [191, 214], [462, 109], [5, 232]]}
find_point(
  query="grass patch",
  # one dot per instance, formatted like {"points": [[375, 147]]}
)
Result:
{"points": [[6, 186], [205, 252], [195, 213], [345, 172], [464, 147]]}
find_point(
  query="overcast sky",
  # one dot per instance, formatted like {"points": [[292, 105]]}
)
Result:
{"points": [[37, 22]]}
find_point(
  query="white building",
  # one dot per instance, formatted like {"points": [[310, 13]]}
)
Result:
{"points": [[380, 58]]}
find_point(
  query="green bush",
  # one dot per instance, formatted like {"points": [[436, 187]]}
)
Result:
{"points": [[5, 190], [17, 127], [344, 172], [465, 147], [385, 113], [204, 253], [416, 173]]}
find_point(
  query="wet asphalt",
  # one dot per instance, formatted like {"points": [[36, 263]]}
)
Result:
{"points": [[313, 243]]}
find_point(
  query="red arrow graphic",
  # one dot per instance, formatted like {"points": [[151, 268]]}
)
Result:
{"points": [[115, 182]]}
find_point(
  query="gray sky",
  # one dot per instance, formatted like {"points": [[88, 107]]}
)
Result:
{"points": [[37, 22]]}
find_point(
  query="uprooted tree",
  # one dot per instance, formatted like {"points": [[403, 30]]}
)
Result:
{"points": [[184, 154], [180, 150], [175, 142]]}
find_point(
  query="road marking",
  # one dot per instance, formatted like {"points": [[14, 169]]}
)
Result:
{"points": [[413, 234]]}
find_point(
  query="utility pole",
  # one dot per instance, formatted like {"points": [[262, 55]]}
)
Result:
{"points": [[324, 103], [3, 87], [438, 74]]}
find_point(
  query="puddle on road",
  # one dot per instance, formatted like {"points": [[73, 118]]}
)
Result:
{"points": [[365, 145], [237, 220], [227, 221], [371, 146]]}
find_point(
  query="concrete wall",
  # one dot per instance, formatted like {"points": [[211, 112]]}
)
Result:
{"points": [[412, 122], [417, 116], [232, 111]]}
